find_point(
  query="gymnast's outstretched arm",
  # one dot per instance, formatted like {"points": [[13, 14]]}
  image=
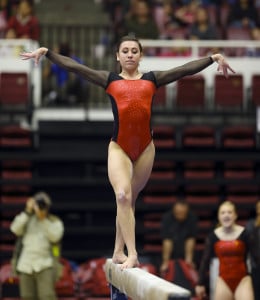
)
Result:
{"points": [[95, 76], [191, 68]]}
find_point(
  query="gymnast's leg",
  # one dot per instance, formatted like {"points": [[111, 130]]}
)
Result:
{"points": [[120, 172], [222, 290], [245, 289], [127, 179]]}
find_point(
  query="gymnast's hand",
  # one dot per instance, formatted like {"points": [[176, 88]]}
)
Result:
{"points": [[36, 55], [200, 291], [223, 65]]}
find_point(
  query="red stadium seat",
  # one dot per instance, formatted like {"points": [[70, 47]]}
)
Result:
{"points": [[6, 234], [13, 199], [246, 194], [16, 174], [202, 191], [198, 136], [239, 170], [152, 224], [156, 216], [159, 199], [16, 189], [16, 164], [205, 225], [159, 190], [13, 136], [249, 200], [255, 92], [15, 95], [202, 200], [164, 136], [229, 92], [163, 170], [190, 92], [14, 88], [237, 136], [152, 248], [199, 169]]}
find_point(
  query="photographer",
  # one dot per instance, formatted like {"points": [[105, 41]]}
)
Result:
{"points": [[39, 230]]}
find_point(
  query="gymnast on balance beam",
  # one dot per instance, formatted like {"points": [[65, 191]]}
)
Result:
{"points": [[131, 150]]}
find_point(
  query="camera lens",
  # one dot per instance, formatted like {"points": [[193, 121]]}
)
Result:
{"points": [[41, 203]]}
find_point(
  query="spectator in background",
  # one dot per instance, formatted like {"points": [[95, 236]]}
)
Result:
{"points": [[230, 244], [243, 14], [253, 229], [255, 32], [39, 230], [63, 87], [117, 10], [141, 23], [178, 231], [202, 29], [187, 12], [24, 24], [3, 18], [168, 21]]}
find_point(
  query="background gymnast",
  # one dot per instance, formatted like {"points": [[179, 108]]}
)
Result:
{"points": [[229, 242], [131, 149]]}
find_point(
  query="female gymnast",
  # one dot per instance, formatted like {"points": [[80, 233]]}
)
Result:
{"points": [[230, 244], [131, 150]]}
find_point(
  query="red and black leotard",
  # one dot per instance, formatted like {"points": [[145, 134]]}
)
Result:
{"points": [[232, 259], [131, 104], [131, 99]]}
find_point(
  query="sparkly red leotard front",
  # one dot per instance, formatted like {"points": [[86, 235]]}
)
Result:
{"points": [[232, 265], [232, 259], [131, 103]]}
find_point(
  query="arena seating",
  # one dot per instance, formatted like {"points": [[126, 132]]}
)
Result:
{"points": [[190, 92]]}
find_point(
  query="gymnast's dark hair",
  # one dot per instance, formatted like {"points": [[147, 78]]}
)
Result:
{"points": [[129, 37]]}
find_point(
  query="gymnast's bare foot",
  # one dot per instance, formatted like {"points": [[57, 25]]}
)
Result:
{"points": [[131, 262], [119, 258]]}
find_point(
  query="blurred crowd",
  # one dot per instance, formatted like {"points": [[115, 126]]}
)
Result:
{"points": [[146, 19], [18, 20], [185, 19], [152, 19]]}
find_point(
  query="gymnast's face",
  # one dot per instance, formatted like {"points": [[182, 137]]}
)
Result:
{"points": [[129, 55], [227, 215]]}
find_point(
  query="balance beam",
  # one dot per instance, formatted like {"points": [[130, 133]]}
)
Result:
{"points": [[142, 285]]}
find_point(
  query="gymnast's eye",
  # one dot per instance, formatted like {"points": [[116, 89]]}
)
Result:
{"points": [[133, 50], [125, 50]]}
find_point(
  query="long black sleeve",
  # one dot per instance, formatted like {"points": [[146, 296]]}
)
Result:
{"points": [[95, 76], [190, 68], [207, 255]]}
